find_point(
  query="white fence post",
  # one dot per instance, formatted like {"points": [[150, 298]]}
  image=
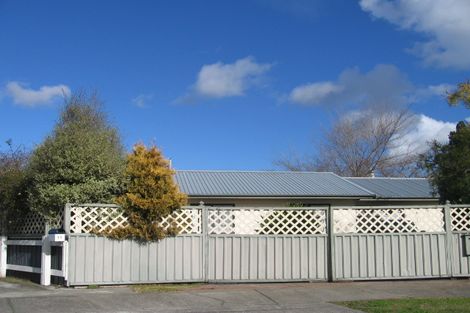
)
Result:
{"points": [[65, 261], [449, 239], [46, 262], [205, 239], [66, 218], [3, 256], [331, 258]]}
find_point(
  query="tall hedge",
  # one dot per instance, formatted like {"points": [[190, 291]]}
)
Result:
{"points": [[81, 161]]}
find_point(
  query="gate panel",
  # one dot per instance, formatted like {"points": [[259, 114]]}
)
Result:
{"points": [[258, 258], [388, 256], [267, 244], [98, 260], [460, 220], [389, 243], [461, 261]]}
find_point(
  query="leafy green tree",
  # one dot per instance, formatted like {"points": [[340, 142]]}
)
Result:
{"points": [[460, 95], [449, 166], [151, 194], [82, 161], [13, 182]]}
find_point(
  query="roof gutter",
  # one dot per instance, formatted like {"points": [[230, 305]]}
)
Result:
{"points": [[284, 197], [400, 199]]}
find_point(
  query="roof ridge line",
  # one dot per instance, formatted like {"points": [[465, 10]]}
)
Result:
{"points": [[256, 171]]}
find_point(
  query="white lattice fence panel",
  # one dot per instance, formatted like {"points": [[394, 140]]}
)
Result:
{"points": [[32, 224], [188, 221], [58, 221], [85, 219], [460, 217], [35, 224], [267, 221], [393, 220]]}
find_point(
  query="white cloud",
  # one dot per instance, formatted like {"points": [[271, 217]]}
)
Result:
{"points": [[22, 95], [425, 130], [384, 84], [444, 23], [440, 90], [220, 80], [142, 100], [432, 91], [313, 93]]}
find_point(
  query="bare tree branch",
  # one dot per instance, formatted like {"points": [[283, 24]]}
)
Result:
{"points": [[364, 143]]}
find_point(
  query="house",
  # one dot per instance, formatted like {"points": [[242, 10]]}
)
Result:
{"points": [[280, 189]]}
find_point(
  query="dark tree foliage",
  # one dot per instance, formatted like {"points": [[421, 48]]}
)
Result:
{"points": [[449, 166], [13, 183], [82, 161]]}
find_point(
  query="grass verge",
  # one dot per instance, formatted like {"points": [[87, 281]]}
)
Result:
{"points": [[162, 287], [18, 281], [425, 305]]}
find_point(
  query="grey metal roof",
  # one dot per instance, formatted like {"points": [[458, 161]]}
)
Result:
{"points": [[403, 188], [266, 184]]}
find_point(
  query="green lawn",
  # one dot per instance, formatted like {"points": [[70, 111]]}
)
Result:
{"points": [[428, 305]]}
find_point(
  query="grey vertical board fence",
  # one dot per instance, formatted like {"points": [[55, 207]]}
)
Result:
{"points": [[278, 244], [390, 256], [460, 262], [226, 247], [98, 260], [267, 244], [412, 244], [459, 218], [267, 258]]}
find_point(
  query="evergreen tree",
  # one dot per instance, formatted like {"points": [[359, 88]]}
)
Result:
{"points": [[151, 194], [82, 161], [449, 166]]}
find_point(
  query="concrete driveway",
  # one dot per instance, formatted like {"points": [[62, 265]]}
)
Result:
{"points": [[293, 297]]}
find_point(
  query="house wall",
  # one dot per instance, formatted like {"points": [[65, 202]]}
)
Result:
{"points": [[252, 202]]}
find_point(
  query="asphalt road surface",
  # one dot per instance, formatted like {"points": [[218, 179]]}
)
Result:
{"points": [[282, 297]]}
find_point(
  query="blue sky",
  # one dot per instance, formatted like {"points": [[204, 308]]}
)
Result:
{"points": [[230, 84]]}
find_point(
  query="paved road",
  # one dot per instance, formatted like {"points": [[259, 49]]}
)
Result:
{"points": [[295, 297]]}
